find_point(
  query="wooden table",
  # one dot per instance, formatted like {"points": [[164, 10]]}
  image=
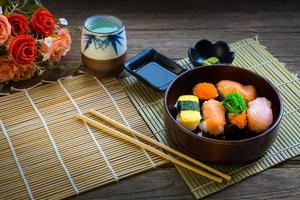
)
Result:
{"points": [[171, 27]]}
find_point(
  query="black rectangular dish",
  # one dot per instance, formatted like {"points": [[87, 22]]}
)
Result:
{"points": [[153, 68]]}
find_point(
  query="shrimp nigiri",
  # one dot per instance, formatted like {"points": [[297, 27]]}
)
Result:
{"points": [[214, 117], [225, 87], [259, 114]]}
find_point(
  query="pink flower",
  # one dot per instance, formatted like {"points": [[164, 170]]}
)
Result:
{"points": [[66, 40], [5, 29], [56, 46]]}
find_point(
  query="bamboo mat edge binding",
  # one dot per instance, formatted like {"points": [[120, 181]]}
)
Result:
{"points": [[252, 55]]}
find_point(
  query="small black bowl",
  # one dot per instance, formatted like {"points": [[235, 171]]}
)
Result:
{"points": [[205, 49]]}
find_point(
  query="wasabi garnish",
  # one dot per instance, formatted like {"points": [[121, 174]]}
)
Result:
{"points": [[210, 61]]}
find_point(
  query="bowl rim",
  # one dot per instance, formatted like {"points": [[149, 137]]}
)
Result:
{"points": [[225, 142]]}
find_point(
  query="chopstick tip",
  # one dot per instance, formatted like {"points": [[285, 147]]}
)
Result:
{"points": [[219, 180], [92, 111], [228, 178]]}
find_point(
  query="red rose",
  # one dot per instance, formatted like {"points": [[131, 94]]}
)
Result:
{"points": [[42, 22], [23, 50], [19, 24]]}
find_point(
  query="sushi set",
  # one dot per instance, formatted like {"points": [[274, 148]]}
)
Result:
{"points": [[214, 114], [212, 108], [201, 114], [232, 109]]}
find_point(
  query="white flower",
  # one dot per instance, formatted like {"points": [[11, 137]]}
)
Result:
{"points": [[48, 41], [1, 12], [63, 21]]}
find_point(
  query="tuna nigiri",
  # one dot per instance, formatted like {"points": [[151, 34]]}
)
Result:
{"points": [[259, 114], [225, 87], [214, 117]]}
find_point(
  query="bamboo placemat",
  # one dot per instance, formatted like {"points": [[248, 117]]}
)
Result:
{"points": [[251, 55], [45, 153]]}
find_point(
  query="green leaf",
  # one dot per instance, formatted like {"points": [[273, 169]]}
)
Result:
{"points": [[22, 3], [26, 7], [3, 3], [234, 103], [38, 3]]}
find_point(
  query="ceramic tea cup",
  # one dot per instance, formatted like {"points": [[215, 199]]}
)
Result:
{"points": [[103, 45]]}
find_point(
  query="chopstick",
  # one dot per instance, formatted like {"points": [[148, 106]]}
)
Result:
{"points": [[120, 135], [152, 141]]}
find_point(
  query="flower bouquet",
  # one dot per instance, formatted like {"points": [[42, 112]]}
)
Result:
{"points": [[31, 39]]}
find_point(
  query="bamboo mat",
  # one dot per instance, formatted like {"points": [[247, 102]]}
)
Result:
{"points": [[251, 55], [45, 153]]}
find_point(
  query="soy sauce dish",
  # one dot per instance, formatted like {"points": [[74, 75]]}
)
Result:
{"points": [[222, 114]]}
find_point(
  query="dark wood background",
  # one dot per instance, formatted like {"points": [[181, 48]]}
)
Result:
{"points": [[171, 27]]}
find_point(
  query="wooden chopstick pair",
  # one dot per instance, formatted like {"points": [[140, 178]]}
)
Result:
{"points": [[129, 139]]}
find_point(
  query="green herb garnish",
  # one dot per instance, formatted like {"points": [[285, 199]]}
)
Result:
{"points": [[234, 103]]}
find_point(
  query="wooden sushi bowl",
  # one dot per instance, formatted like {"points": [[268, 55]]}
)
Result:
{"points": [[216, 150]]}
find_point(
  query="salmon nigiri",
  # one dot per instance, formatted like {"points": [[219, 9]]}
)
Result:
{"points": [[225, 87], [214, 117], [259, 114]]}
